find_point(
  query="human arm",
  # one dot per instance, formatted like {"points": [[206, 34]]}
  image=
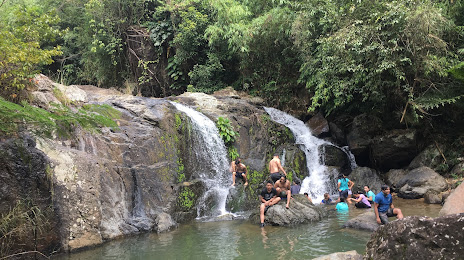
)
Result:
{"points": [[356, 200], [281, 168], [339, 183], [376, 210], [232, 167], [350, 184]]}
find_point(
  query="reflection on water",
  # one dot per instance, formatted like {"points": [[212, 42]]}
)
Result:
{"points": [[243, 240]]}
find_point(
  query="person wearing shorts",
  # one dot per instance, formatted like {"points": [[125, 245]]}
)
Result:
{"points": [[344, 186], [282, 187], [275, 168], [383, 206], [268, 197]]}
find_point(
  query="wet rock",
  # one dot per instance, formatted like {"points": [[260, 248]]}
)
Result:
{"points": [[334, 156], [300, 211], [318, 125], [429, 157], [419, 238], [419, 181], [349, 255], [363, 128], [433, 197], [338, 134], [365, 221], [393, 177], [362, 176], [394, 149], [454, 203]]}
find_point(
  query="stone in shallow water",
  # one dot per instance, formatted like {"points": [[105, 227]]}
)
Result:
{"points": [[365, 221], [300, 211], [350, 255]]}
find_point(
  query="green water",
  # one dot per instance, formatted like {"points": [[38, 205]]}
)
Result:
{"points": [[242, 240]]}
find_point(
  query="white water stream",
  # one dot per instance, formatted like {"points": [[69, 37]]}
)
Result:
{"points": [[318, 181], [212, 163]]}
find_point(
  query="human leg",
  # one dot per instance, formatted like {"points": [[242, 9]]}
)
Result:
{"points": [[289, 196], [398, 213], [383, 217], [274, 201], [261, 212], [245, 179], [233, 179]]}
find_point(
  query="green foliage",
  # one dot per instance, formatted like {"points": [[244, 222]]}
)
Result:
{"points": [[186, 199], [60, 121], [207, 78], [233, 153], [226, 130], [22, 47]]}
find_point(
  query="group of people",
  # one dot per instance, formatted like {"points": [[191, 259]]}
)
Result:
{"points": [[279, 188]]}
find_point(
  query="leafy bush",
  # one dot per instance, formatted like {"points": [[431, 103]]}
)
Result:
{"points": [[226, 130]]}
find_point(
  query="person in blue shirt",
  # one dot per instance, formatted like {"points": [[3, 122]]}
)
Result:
{"points": [[327, 200], [342, 206], [383, 206], [369, 194], [344, 186]]}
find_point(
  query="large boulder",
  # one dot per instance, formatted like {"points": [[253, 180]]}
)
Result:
{"points": [[300, 211], [429, 157], [394, 149], [362, 176], [454, 203], [419, 238], [393, 177], [419, 181], [334, 156], [365, 221], [349, 255], [318, 125], [363, 128]]}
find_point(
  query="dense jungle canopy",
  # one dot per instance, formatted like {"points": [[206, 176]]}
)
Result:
{"points": [[403, 60]]}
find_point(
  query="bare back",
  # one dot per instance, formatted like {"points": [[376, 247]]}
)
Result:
{"points": [[275, 166]]}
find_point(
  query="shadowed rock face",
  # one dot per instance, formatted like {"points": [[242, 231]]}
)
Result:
{"points": [[419, 238]]}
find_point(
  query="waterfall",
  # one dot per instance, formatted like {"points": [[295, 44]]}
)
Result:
{"points": [[318, 182], [213, 165]]}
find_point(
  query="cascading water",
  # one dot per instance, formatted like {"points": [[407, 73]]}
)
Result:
{"points": [[212, 169], [318, 182]]}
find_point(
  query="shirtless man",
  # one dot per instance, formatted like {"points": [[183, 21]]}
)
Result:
{"points": [[239, 170], [282, 187], [275, 167], [268, 197]]}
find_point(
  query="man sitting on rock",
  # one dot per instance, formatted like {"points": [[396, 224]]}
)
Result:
{"points": [[282, 187], [383, 206], [268, 197], [239, 170]]}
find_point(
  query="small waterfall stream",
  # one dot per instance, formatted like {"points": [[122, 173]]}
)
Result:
{"points": [[212, 167], [318, 182]]}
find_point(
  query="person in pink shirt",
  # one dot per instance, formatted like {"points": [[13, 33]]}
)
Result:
{"points": [[360, 200]]}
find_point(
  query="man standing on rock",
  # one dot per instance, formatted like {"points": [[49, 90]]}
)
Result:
{"points": [[268, 197], [383, 206], [282, 187], [275, 167]]}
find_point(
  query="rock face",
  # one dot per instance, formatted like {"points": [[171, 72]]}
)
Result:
{"points": [[334, 156], [363, 129], [365, 176], [419, 238], [429, 157], [300, 211], [419, 181], [394, 150], [350, 255], [393, 177], [454, 203], [26, 188], [365, 221], [318, 125]]}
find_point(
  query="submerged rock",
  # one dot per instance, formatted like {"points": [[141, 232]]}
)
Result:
{"points": [[454, 202], [419, 238], [365, 221], [349, 255], [300, 211]]}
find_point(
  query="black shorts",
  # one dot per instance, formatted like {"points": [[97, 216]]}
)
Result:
{"points": [[239, 175], [343, 194], [385, 215], [276, 176], [361, 205]]}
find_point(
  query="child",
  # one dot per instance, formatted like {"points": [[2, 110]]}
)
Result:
{"points": [[307, 196], [342, 206], [327, 200]]}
